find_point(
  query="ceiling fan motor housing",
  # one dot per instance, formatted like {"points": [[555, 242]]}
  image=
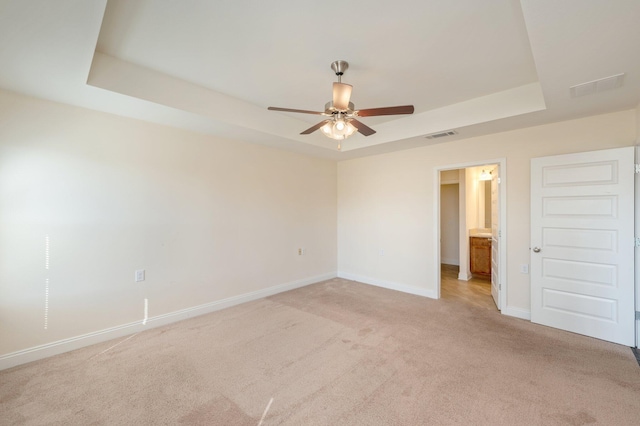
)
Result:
{"points": [[330, 109], [339, 67]]}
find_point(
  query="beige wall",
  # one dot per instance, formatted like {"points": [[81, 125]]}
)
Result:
{"points": [[449, 213], [208, 219], [463, 245], [472, 218], [387, 201]]}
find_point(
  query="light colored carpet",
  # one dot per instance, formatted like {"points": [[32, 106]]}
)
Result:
{"points": [[334, 353]]}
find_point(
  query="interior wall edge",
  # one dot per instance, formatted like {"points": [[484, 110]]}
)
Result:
{"points": [[512, 311], [66, 345], [389, 285]]}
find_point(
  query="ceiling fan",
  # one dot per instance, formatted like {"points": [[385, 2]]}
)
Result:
{"points": [[342, 114]]}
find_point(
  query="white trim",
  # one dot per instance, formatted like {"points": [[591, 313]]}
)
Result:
{"points": [[389, 285], [517, 312], [65, 345], [636, 216], [450, 182], [502, 164], [463, 276], [448, 261]]}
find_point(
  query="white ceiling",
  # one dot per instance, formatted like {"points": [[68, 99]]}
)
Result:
{"points": [[474, 66]]}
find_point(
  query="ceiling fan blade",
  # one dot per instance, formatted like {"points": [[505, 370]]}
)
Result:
{"points": [[362, 128], [302, 111], [341, 95], [315, 127], [405, 109]]}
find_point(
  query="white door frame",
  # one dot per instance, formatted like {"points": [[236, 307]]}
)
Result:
{"points": [[636, 217], [502, 214]]}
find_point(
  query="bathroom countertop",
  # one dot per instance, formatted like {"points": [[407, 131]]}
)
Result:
{"points": [[480, 232]]}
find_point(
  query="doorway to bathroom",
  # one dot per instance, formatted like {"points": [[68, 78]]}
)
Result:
{"points": [[471, 247]]}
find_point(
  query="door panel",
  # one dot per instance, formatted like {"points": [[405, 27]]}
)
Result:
{"points": [[582, 235]]}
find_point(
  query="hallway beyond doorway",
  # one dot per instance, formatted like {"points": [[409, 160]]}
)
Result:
{"points": [[476, 291]]}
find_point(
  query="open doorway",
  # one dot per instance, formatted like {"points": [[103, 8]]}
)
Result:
{"points": [[470, 233]]}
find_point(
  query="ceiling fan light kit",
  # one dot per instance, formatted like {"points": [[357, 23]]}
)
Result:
{"points": [[341, 112], [338, 128]]}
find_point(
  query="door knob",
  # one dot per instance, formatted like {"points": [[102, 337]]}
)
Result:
{"points": [[536, 249]]}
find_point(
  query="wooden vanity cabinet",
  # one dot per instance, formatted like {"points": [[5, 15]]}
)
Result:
{"points": [[480, 253]]}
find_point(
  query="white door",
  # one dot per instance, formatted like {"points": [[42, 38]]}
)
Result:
{"points": [[495, 240], [582, 243]]}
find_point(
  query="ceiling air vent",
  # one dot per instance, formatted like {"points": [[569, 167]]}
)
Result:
{"points": [[595, 86], [441, 135]]}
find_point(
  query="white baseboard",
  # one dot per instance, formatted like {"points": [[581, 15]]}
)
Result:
{"points": [[390, 285], [463, 276], [61, 346], [448, 261], [517, 312]]}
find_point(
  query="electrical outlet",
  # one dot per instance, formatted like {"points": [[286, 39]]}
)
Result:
{"points": [[381, 252], [524, 269], [139, 275]]}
